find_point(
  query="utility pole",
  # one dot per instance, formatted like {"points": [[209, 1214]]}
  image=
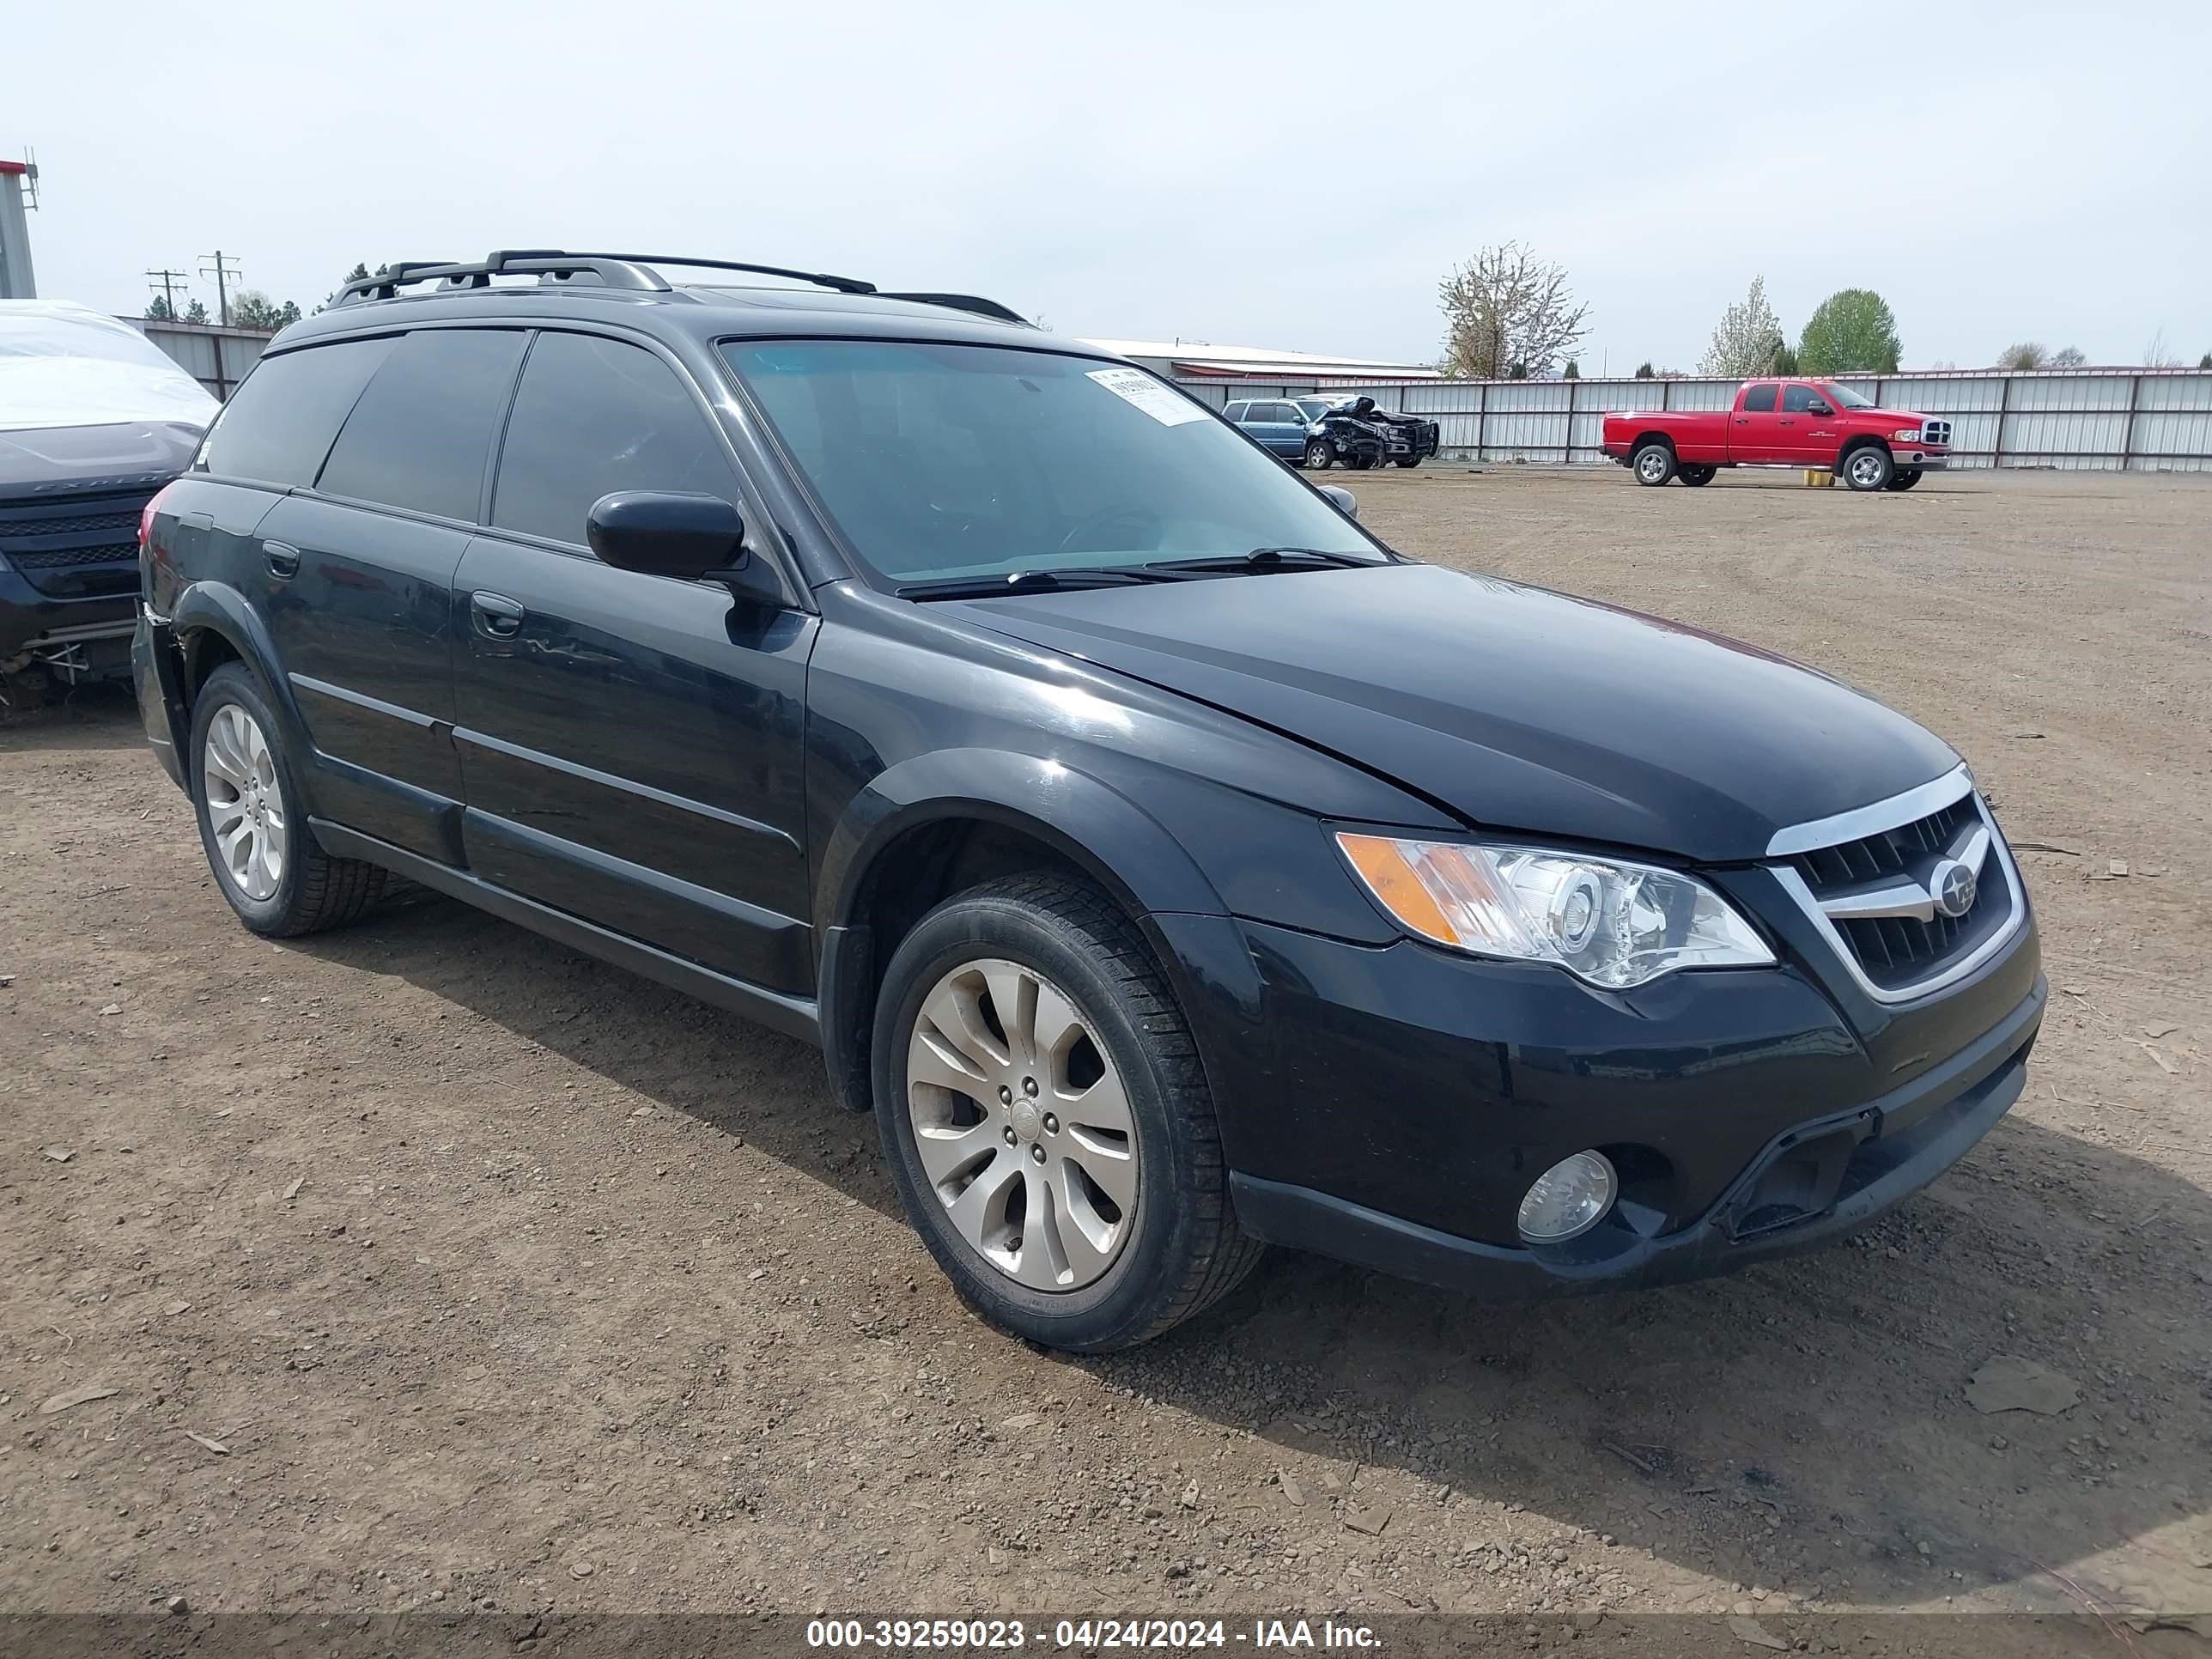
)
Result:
{"points": [[171, 281], [222, 271]]}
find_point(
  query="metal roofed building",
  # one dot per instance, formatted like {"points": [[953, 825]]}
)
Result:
{"points": [[1195, 360]]}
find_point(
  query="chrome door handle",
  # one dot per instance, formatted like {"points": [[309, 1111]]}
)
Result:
{"points": [[496, 616]]}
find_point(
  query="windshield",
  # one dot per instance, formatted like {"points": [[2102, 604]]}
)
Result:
{"points": [[1314, 408], [1845, 397], [942, 461]]}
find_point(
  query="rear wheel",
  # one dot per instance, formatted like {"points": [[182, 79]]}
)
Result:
{"points": [[1906, 477], [1654, 464], [1321, 454], [1699, 474], [1868, 468], [1048, 1123], [264, 857]]}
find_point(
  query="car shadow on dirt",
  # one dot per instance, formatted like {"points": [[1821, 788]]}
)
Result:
{"points": [[1804, 1422]]}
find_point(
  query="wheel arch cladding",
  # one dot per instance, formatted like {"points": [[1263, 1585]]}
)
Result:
{"points": [[214, 625], [935, 824]]}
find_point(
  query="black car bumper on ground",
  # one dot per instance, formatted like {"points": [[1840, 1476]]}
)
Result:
{"points": [[1390, 1107]]}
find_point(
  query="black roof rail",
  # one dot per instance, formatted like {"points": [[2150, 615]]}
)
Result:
{"points": [[974, 302], [622, 270]]}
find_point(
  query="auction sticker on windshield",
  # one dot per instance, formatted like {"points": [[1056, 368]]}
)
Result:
{"points": [[1134, 386]]}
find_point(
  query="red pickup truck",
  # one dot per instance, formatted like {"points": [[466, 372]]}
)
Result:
{"points": [[1813, 423]]}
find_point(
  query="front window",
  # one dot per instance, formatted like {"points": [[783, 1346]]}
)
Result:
{"points": [[943, 461], [1843, 397]]}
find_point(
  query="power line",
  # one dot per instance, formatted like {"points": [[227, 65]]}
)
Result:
{"points": [[222, 271], [170, 281]]}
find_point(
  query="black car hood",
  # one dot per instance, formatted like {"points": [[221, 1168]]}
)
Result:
{"points": [[1516, 708], [119, 452]]}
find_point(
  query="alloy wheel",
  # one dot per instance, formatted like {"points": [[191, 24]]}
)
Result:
{"points": [[1022, 1125], [1652, 465], [1866, 469], [244, 802]]}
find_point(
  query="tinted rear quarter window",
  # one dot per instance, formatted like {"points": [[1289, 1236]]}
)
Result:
{"points": [[1760, 401], [593, 417], [278, 425], [420, 435]]}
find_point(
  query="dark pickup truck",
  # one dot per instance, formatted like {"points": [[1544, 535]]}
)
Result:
{"points": [[1353, 429]]}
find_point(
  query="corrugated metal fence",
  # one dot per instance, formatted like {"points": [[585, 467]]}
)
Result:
{"points": [[2146, 420], [216, 357]]}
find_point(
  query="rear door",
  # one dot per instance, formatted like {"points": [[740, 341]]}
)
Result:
{"points": [[355, 575], [631, 744], [1276, 425], [1754, 434]]}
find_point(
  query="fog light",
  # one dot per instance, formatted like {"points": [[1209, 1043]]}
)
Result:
{"points": [[1569, 1199]]}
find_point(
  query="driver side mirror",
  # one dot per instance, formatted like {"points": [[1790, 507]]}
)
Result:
{"points": [[1818, 408], [1342, 499], [686, 537]]}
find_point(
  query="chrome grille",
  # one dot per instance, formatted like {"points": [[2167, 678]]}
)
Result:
{"points": [[1888, 893]]}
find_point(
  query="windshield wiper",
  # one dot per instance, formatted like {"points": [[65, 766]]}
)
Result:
{"points": [[1031, 581], [1270, 558]]}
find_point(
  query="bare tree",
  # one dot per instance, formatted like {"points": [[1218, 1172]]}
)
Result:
{"points": [[2034, 353], [1507, 311], [1749, 336], [2157, 355]]}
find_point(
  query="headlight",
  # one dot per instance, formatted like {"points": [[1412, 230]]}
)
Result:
{"points": [[1615, 925], [1909, 435]]}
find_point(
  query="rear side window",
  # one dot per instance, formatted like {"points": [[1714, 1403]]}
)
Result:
{"points": [[593, 417], [1760, 402], [278, 426], [419, 437]]}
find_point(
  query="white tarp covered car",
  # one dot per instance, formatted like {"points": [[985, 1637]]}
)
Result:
{"points": [[94, 420]]}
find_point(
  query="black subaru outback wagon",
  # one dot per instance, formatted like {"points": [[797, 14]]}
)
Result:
{"points": [[1170, 865]]}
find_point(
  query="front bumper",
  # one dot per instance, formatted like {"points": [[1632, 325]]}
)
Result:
{"points": [[35, 625], [1390, 1105], [1920, 460], [1810, 1185]]}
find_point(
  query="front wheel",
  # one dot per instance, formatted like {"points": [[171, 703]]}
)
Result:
{"points": [[1360, 463], [1654, 464], [1321, 454], [1870, 468], [1906, 476], [1699, 474], [1409, 460], [1048, 1124]]}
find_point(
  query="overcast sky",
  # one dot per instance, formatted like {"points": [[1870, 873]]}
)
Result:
{"points": [[1287, 174]]}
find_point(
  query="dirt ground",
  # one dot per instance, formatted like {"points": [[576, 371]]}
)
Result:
{"points": [[498, 1278]]}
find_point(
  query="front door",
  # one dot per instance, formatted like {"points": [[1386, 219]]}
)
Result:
{"points": [[1810, 432], [630, 744]]}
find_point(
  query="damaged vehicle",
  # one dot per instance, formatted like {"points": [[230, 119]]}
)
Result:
{"points": [[94, 420], [1353, 430]]}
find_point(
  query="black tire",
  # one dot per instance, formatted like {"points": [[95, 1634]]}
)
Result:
{"points": [[1409, 460], [1185, 1250], [1697, 474], [1653, 463], [1867, 468], [1360, 463], [315, 890], [1321, 454], [1904, 477]]}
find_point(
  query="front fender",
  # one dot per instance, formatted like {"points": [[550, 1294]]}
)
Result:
{"points": [[1128, 851]]}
